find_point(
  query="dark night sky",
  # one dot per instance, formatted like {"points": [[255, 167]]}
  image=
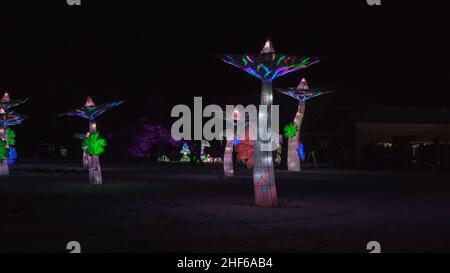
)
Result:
{"points": [[156, 56]]}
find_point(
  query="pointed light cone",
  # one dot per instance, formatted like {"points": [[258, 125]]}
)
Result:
{"points": [[89, 102], [303, 85], [2, 111], [5, 97], [268, 48]]}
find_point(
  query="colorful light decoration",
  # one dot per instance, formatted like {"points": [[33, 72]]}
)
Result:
{"points": [[290, 130], [3, 150], [203, 156], [94, 144], [278, 151], [185, 151], [11, 140], [163, 158], [8, 118], [245, 151], [90, 111], [144, 138], [301, 151], [228, 164], [12, 157], [266, 66], [11, 136], [6, 103], [302, 93]]}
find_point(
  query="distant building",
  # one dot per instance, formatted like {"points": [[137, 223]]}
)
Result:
{"points": [[385, 137]]}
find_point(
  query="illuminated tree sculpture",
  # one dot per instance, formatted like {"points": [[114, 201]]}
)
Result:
{"points": [[228, 165], [266, 66], [7, 119], [93, 145], [186, 152], [302, 93]]}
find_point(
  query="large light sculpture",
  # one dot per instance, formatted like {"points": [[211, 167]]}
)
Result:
{"points": [[7, 119], [302, 93], [93, 144], [266, 66]]}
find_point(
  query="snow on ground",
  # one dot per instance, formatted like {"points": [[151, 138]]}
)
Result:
{"points": [[182, 208]]}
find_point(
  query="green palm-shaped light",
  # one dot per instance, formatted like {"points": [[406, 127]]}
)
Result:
{"points": [[290, 130], [4, 152], [94, 144], [11, 136]]}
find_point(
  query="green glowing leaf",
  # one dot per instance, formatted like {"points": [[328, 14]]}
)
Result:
{"points": [[11, 137], [94, 144], [282, 57], [4, 152], [290, 130], [305, 61]]}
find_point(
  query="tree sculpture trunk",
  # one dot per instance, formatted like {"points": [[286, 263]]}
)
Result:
{"points": [[85, 156], [293, 157], [263, 174], [95, 172], [228, 159], [4, 168], [85, 159]]}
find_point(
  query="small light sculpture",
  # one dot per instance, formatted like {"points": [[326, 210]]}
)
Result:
{"points": [[185, 151], [203, 156], [163, 158], [302, 93], [93, 145], [8, 118]]}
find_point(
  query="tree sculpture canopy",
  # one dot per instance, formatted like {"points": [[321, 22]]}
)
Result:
{"points": [[268, 65], [90, 111], [94, 144]]}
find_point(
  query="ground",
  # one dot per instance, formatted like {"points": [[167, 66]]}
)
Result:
{"points": [[181, 208]]}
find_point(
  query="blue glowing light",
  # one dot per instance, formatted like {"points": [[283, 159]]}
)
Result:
{"points": [[236, 141], [12, 156], [301, 152]]}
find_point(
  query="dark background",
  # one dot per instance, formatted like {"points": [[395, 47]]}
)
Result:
{"points": [[157, 55]]}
